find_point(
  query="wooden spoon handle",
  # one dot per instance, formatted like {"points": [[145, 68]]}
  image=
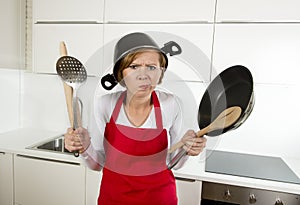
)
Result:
{"points": [[225, 119], [67, 89], [179, 144]]}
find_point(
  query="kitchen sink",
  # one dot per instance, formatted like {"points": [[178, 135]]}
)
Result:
{"points": [[53, 145]]}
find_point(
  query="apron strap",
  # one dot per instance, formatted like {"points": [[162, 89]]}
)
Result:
{"points": [[157, 110]]}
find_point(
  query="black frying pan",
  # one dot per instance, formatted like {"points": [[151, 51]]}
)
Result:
{"points": [[232, 87]]}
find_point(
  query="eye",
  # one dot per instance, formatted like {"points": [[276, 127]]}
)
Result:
{"points": [[151, 67], [134, 67]]}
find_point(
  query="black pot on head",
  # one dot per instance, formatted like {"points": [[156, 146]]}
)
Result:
{"points": [[133, 42]]}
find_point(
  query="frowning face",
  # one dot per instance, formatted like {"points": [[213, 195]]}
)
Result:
{"points": [[143, 74]]}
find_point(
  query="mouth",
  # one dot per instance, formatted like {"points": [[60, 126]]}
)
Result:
{"points": [[145, 87]]}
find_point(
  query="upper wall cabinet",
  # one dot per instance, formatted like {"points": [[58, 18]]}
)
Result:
{"points": [[12, 41], [270, 51], [82, 41], [194, 40], [258, 11], [68, 10], [159, 11]]}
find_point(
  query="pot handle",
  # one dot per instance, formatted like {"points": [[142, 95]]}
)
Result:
{"points": [[108, 81], [171, 48]]}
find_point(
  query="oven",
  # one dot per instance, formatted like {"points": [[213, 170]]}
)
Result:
{"points": [[223, 194], [250, 166]]}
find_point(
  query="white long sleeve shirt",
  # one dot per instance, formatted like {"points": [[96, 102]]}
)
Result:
{"points": [[171, 109]]}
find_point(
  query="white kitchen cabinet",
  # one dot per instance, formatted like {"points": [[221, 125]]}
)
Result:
{"points": [[82, 41], [188, 191], [93, 180], [195, 40], [68, 10], [6, 179], [43, 181], [12, 41], [258, 11], [159, 11], [270, 51]]}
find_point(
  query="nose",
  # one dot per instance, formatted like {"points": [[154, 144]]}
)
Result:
{"points": [[142, 73], [142, 76]]}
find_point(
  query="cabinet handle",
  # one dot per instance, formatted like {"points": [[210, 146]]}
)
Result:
{"points": [[49, 160], [2, 153], [185, 179]]}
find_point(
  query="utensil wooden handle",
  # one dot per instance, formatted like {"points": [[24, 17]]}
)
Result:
{"points": [[67, 89], [180, 144], [225, 119], [69, 96]]}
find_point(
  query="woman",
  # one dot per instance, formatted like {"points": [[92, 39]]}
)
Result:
{"points": [[133, 130]]}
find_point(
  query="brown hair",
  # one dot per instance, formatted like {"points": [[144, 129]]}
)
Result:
{"points": [[129, 58]]}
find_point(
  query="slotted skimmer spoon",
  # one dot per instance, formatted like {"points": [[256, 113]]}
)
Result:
{"points": [[73, 73]]}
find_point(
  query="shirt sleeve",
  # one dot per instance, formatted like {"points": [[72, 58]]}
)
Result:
{"points": [[177, 130], [94, 156]]}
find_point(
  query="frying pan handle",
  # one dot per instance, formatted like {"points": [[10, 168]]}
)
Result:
{"points": [[172, 48], [176, 159], [110, 80]]}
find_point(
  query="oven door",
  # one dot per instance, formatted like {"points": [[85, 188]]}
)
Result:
{"points": [[217, 194], [223, 194]]}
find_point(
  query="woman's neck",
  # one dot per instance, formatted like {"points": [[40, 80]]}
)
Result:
{"points": [[137, 109], [138, 102]]}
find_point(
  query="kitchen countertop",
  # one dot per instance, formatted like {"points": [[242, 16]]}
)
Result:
{"points": [[17, 141]]}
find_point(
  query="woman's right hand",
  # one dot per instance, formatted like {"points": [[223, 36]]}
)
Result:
{"points": [[78, 139]]}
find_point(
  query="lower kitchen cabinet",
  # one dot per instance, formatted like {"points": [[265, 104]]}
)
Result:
{"points": [[93, 180], [188, 191], [48, 182], [6, 179]]}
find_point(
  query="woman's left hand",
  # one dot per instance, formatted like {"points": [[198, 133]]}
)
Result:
{"points": [[193, 144]]}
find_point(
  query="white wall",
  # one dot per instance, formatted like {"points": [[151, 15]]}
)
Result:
{"points": [[43, 102], [10, 99]]}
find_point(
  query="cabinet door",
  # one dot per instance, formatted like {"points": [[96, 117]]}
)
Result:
{"points": [[258, 11], [270, 51], [12, 41], [195, 40], [68, 10], [42, 181], [159, 11], [188, 191], [82, 41], [6, 179], [93, 180]]}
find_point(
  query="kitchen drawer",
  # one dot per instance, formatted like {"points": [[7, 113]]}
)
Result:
{"points": [[82, 41], [48, 182], [68, 10]]}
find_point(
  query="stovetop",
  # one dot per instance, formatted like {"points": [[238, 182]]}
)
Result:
{"points": [[248, 165]]}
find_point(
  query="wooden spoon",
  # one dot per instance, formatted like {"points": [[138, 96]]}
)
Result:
{"points": [[225, 119]]}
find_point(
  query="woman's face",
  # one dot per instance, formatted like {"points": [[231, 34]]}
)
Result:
{"points": [[143, 74]]}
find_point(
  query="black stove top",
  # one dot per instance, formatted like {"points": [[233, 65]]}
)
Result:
{"points": [[248, 165]]}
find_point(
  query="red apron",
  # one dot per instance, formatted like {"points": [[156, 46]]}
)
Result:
{"points": [[135, 171]]}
